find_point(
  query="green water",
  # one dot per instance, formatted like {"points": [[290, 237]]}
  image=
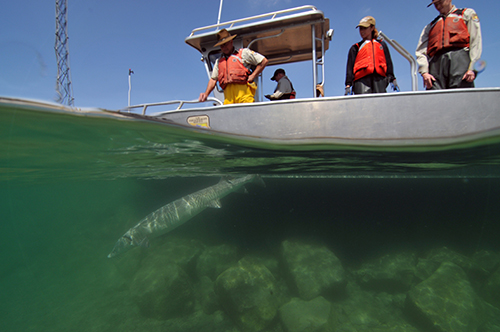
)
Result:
{"points": [[38, 145], [71, 186]]}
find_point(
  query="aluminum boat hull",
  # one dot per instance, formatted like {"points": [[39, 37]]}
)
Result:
{"points": [[392, 119]]}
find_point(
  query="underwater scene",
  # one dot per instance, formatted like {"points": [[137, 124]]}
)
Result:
{"points": [[112, 225]]}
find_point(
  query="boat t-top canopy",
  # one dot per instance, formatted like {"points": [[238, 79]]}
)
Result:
{"points": [[282, 36], [286, 36]]}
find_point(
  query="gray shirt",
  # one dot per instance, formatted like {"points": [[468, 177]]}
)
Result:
{"points": [[284, 86]]}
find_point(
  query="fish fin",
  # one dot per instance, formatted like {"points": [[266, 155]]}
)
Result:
{"points": [[258, 181], [226, 178], [242, 190], [215, 204], [144, 243]]}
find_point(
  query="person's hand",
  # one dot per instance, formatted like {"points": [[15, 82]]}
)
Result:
{"points": [[395, 86], [251, 78], [203, 97], [347, 90], [428, 79], [469, 76]]}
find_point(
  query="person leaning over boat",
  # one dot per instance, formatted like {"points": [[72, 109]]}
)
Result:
{"points": [[233, 71], [369, 63], [284, 89], [449, 47]]}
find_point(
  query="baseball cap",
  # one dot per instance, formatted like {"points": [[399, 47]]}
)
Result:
{"points": [[366, 22]]}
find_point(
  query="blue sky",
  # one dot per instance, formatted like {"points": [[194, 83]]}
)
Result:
{"points": [[109, 37]]}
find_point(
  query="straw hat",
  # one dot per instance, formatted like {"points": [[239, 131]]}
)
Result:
{"points": [[223, 37]]}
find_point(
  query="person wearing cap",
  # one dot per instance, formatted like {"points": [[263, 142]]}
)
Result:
{"points": [[449, 47], [284, 89], [233, 71], [369, 63]]}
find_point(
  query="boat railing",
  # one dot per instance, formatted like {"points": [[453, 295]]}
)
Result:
{"points": [[271, 16], [401, 50], [171, 102]]}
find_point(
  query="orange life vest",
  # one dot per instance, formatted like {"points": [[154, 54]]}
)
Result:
{"points": [[232, 70], [370, 59], [448, 33]]}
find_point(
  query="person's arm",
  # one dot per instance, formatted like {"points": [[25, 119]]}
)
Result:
{"points": [[253, 59], [388, 60], [283, 87], [475, 45], [258, 69], [210, 86], [349, 72], [422, 60], [212, 82]]}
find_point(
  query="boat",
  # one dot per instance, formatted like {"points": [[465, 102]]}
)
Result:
{"points": [[401, 120]]}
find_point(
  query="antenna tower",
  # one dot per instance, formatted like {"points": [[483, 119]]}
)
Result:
{"points": [[64, 87]]}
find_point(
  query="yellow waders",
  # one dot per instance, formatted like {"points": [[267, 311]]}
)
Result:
{"points": [[239, 93]]}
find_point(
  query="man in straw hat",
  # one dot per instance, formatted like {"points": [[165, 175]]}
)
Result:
{"points": [[233, 71], [449, 47]]}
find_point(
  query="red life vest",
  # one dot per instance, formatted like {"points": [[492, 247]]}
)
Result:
{"points": [[232, 70], [448, 33], [370, 59]]}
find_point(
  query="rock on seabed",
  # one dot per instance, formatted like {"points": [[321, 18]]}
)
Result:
{"points": [[445, 301], [163, 292], [249, 295], [215, 260], [314, 269], [305, 316]]}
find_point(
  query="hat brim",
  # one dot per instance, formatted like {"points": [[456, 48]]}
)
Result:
{"points": [[276, 74], [225, 40], [364, 25]]}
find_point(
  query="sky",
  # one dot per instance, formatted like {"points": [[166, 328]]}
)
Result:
{"points": [[107, 37]]}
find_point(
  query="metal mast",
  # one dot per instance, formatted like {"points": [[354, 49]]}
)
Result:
{"points": [[64, 87]]}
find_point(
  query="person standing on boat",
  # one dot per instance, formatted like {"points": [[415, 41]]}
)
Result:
{"points": [[369, 63], [284, 89], [233, 71], [449, 47]]}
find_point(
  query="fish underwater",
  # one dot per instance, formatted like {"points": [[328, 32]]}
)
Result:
{"points": [[179, 211]]}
